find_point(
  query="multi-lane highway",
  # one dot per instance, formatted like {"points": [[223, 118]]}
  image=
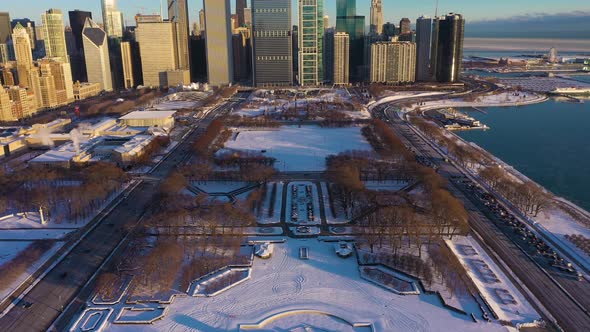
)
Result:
{"points": [[564, 297], [64, 289]]}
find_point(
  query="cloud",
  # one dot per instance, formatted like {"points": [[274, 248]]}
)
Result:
{"points": [[570, 25]]}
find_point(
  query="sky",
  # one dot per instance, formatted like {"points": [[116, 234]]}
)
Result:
{"points": [[474, 10]]}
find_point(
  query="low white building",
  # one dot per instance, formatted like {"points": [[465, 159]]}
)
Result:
{"points": [[164, 119]]}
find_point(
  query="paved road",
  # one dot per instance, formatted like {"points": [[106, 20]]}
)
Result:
{"points": [[565, 298], [64, 282]]}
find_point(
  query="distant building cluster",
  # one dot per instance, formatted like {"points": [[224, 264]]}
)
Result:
{"points": [[47, 65]]}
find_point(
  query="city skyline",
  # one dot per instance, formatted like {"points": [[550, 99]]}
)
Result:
{"points": [[392, 12]]}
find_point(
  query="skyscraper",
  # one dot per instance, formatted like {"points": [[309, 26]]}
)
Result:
{"points": [[24, 56], [423, 48], [449, 31], [77, 21], [347, 21], [241, 45], [219, 46], [341, 58], [5, 106], [5, 28], [405, 26], [393, 62], [112, 19], [127, 61], [96, 52], [326, 22], [240, 6], [272, 43], [329, 55], [178, 12], [202, 19], [157, 43], [311, 39], [388, 30], [29, 26], [55, 39], [376, 17]]}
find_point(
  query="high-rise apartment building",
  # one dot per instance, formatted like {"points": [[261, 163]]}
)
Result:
{"points": [[29, 26], [61, 75], [311, 42], [347, 21], [96, 52], [272, 47], [376, 17], [178, 13], [393, 62], [157, 43], [112, 19], [341, 58], [423, 48], [5, 28], [23, 105], [55, 38], [448, 35], [218, 41], [240, 7]]}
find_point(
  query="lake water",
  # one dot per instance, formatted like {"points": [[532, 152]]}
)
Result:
{"points": [[549, 143]]}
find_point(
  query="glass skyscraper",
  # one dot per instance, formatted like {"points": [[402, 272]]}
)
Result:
{"points": [[311, 40], [347, 21]]}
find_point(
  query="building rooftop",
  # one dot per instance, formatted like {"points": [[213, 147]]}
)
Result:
{"points": [[148, 115]]}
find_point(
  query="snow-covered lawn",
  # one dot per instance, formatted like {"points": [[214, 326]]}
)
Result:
{"points": [[275, 217], [34, 234], [400, 96], [502, 296], [300, 149], [175, 105], [330, 219], [322, 293]]}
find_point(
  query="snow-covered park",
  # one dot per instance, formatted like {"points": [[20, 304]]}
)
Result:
{"points": [[322, 293], [299, 148]]}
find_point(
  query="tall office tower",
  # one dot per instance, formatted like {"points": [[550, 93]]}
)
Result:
{"points": [[47, 93], [311, 39], [199, 56], [4, 56], [127, 60], [388, 30], [347, 21], [29, 26], [5, 106], [329, 55], [96, 52], [55, 38], [8, 75], [178, 12], [240, 6], [295, 48], [242, 54], [326, 22], [376, 17], [5, 28], [116, 61], [24, 56], [405, 26], [218, 35], [248, 17], [202, 20], [77, 21], [423, 48], [112, 19], [448, 47], [341, 58], [393, 62], [157, 43], [272, 43], [234, 23]]}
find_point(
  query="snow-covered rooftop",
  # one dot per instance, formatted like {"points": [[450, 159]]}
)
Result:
{"points": [[148, 115]]}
